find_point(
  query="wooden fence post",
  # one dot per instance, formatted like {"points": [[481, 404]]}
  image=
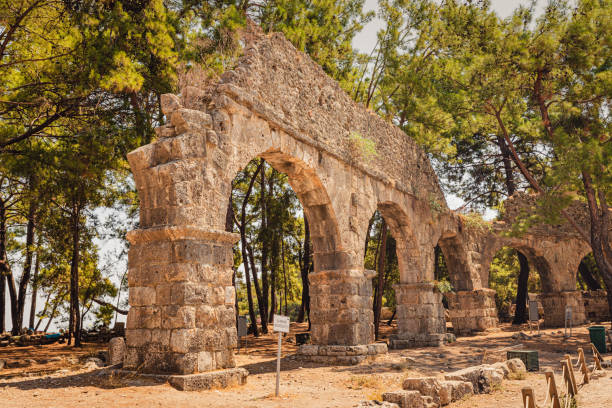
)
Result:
{"points": [[552, 388], [528, 398], [583, 366], [570, 368]]}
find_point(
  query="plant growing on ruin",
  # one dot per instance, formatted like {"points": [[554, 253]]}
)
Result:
{"points": [[474, 220], [361, 147]]}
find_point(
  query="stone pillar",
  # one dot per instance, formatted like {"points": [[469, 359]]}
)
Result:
{"points": [[554, 304], [472, 311], [420, 316], [341, 307], [181, 320], [342, 328]]}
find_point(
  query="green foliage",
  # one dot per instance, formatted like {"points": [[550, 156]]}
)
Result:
{"points": [[373, 251], [282, 239], [503, 278], [362, 148], [474, 220]]}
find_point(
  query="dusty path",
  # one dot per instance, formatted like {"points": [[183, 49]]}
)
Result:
{"points": [[302, 384]]}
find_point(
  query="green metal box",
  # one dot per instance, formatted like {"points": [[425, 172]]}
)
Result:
{"points": [[529, 357]]}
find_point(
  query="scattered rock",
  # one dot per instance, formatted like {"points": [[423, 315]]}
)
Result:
{"points": [[405, 399], [440, 392], [428, 386], [93, 363], [511, 367], [460, 389], [376, 403], [483, 377]]}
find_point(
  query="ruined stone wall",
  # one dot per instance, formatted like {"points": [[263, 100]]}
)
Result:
{"points": [[596, 305], [279, 106], [293, 93]]}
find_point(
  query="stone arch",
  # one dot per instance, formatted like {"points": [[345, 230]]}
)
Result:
{"points": [[537, 263], [459, 265], [406, 248], [420, 313], [315, 200]]}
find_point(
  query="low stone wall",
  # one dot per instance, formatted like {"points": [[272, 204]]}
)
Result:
{"points": [[472, 311], [346, 355], [596, 305]]}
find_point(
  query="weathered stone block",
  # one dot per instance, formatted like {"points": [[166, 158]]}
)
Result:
{"points": [[144, 317], [178, 317], [482, 377], [204, 381], [141, 296], [116, 351], [189, 120], [405, 399], [459, 389], [137, 337], [308, 349]]}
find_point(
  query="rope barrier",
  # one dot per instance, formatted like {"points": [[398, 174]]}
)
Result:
{"points": [[552, 399]]}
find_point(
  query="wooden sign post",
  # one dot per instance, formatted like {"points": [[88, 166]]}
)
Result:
{"points": [[281, 325]]}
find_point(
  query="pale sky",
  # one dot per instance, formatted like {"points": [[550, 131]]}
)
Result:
{"points": [[366, 39], [364, 42]]}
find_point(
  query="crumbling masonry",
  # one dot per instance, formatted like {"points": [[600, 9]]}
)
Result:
{"points": [[279, 105]]}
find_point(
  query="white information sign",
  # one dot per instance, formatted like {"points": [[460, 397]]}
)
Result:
{"points": [[281, 323]]}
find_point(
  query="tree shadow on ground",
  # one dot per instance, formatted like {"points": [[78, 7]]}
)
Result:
{"points": [[100, 378]]}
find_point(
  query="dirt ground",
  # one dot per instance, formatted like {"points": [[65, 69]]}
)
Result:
{"points": [[57, 376]]}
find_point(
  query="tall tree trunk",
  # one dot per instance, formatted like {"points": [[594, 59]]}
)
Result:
{"points": [[258, 292], [5, 270], [245, 256], [247, 275], [229, 227], [523, 278], [380, 278], [74, 276], [599, 215], [27, 265], [34, 289], [273, 277], [3, 266], [284, 272], [392, 317], [521, 292], [2, 301], [10, 281], [7, 276], [588, 276], [264, 239], [305, 304]]}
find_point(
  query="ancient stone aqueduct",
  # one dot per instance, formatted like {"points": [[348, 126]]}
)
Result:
{"points": [[279, 105]]}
